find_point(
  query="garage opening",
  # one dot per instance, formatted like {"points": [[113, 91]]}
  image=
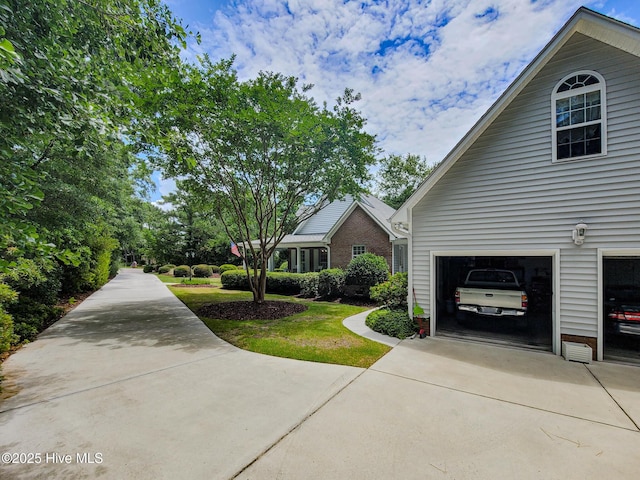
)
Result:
{"points": [[621, 314], [532, 330]]}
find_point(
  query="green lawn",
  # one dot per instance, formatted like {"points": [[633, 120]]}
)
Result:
{"points": [[194, 281], [316, 334]]}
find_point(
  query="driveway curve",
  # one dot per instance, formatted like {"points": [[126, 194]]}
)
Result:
{"points": [[131, 384]]}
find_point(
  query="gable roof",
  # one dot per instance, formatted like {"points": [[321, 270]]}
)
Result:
{"points": [[321, 226], [585, 21]]}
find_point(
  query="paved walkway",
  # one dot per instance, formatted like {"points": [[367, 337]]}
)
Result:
{"points": [[356, 324], [132, 385]]}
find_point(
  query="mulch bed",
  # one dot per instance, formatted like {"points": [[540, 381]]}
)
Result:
{"points": [[268, 310], [78, 299]]}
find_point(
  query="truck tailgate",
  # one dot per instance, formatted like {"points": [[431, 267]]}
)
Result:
{"points": [[491, 298]]}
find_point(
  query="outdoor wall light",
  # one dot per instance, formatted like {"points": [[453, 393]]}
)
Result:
{"points": [[579, 232]]}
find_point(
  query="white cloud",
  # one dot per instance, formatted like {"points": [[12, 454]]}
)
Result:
{"points": [[426, 70], [164, 186]]}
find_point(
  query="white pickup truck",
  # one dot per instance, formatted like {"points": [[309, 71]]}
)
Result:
{"points": [[492, 292]]}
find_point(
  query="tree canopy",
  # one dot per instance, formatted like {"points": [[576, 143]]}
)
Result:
{"points": [[399, 176], [73, 76], [72, 73], [262, 152]]}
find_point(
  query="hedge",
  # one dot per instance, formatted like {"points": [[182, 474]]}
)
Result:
{"points": [[7, 336], [309, 284], [331, 283], [234, 280], [395, 323], [227, 266], [277, 282], [283, 283], [367, 270]]}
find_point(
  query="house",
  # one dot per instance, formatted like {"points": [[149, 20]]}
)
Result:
{"points": [[546, 184], [342, 230]]}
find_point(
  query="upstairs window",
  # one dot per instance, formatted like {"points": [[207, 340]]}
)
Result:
{"points": [[579, 126]]}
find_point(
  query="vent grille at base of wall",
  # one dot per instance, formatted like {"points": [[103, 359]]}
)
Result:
{"points": [[577, 352]]}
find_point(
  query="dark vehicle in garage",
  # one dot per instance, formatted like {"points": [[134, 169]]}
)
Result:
{"points": [[622, 310]]}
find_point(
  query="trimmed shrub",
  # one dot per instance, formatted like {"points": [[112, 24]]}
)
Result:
{"points": [[181, 271], [147, 268], [363, 272], [392, 293], [202, 271], [277, 282], [283, 283], [395, 323], [215, 268], [234, 280], [166, 268], [309, 284], [226, 267], [331, 283]]}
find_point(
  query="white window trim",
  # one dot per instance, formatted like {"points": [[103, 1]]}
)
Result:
{"points": [[354, 254], [570, 93]]}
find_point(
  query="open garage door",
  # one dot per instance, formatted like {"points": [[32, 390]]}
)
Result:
{"points": [[534, 273], [621, 314]]}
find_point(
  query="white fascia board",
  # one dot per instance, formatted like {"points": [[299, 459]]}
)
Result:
{"points": [[610, 31]]}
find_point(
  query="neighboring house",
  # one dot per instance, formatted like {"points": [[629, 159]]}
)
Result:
{"points": [[546, 184], [342, 230]]}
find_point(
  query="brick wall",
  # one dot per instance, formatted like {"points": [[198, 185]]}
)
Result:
{"points": [[359, 229]]}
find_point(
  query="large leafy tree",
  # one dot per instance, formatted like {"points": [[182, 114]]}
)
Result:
{"points": [[399, 176], [73, 76], [264, 154], [72, 73]]}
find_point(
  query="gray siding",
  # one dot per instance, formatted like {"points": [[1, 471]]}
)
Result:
{"points": [[505, 193], [579, 292], [326, 218]]}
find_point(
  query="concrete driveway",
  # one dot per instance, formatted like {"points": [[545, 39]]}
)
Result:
{"points": [[132, 385]]}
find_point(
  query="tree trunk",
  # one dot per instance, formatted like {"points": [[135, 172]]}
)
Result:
{"points": [[259, 284]]}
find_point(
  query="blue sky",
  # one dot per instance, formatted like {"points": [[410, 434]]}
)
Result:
{"points": [[427, 70]]}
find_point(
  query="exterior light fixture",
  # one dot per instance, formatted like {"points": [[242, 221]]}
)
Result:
{"points": [[579, 232]]}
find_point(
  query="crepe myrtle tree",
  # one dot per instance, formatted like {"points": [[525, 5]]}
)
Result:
{"points": [[264, 154]]}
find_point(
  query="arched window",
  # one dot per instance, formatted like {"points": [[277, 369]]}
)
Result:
{"points": [[579, 117]]}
